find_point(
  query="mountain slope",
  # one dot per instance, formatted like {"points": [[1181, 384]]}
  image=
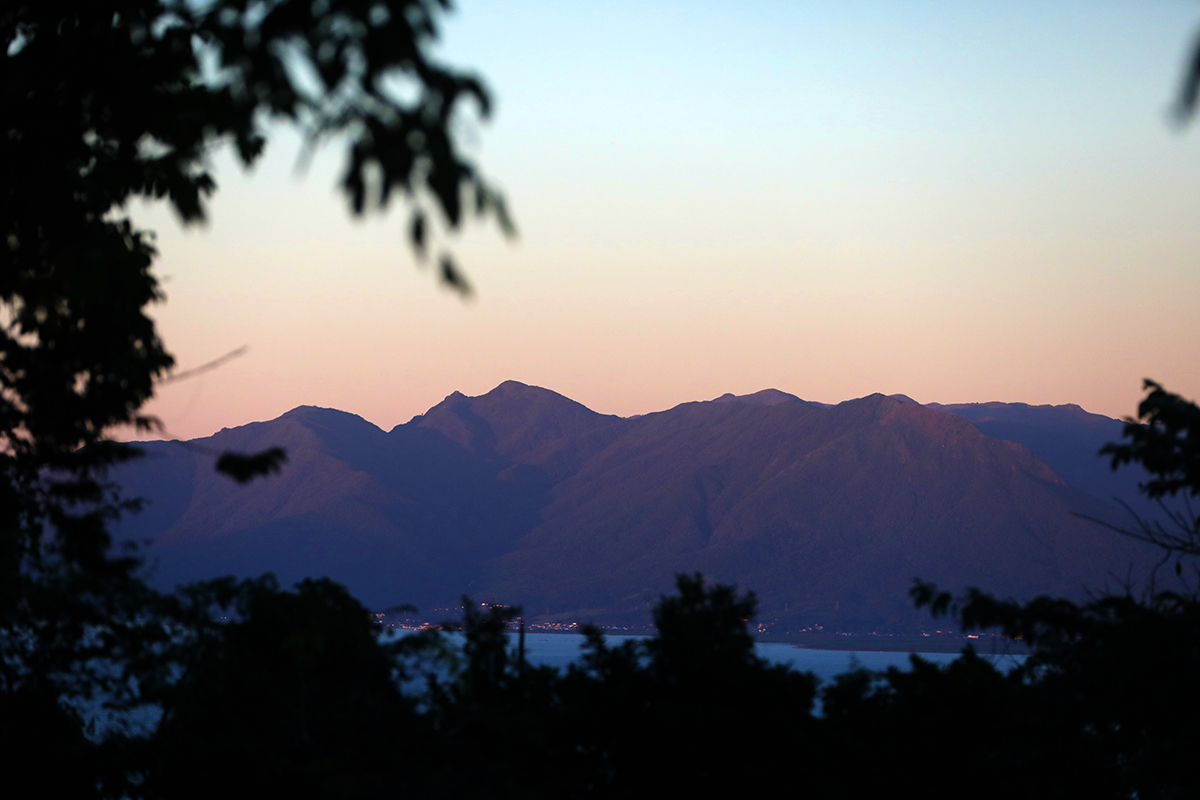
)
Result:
{"points": [[511, 421], [827, 513], [400, 517], [1068, 439], [524, 496]]}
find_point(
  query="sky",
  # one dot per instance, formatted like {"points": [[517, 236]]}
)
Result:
{"points": [[959, 201]]}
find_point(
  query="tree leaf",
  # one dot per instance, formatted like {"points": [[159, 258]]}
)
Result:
{"points": [[244, 468]]}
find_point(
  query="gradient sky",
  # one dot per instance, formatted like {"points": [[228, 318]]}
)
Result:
{"points": [[960, 201]]}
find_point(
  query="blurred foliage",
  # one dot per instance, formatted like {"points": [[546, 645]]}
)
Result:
{"points": [[106, 102], [1165, 440], [299, 692], [244, 468]]}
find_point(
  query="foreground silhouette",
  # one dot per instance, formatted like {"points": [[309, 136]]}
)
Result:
{"points": [[105, 102], [299, 694]]}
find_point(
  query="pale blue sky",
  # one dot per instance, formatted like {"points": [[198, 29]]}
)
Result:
{"points": [[961, 201]]}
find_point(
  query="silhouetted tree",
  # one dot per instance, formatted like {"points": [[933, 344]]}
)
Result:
{"points": [[295, 695], [1112, 680], [1165, 440], [960, 728], [498, 720], [105, 101], [690, 711], [112, 100]]}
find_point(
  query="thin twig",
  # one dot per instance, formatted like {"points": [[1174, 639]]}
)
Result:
{"points": [[200, 370]]}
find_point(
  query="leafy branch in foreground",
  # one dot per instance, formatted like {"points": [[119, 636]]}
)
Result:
{"points": [[108, 101], [244, 468], [104, 102], [1115, 675], [1165, 440]]}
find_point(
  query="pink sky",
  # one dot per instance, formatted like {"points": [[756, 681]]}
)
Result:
{"points": [[960, 202]]}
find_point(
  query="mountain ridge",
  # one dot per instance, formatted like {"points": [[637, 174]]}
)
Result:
{"points": [[522, 495]]}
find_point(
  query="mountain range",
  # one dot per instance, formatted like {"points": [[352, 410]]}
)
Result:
{"points": [[524, 496]]}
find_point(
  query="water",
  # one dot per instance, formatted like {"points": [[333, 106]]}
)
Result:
{"points": [[561, 649]]}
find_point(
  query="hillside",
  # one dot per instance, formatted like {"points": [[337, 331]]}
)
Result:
{"points": [[524, 496]]}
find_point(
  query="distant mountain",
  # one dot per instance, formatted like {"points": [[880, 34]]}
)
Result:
{"points": [[395, 516], [1068, 439], [767, 397], [511, 421], [524, 496], [828, 513]]}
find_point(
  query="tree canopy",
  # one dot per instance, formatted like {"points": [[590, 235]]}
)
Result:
{"points": [[109, 101], [105, 102]]}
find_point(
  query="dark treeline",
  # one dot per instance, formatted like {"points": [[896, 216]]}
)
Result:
{"points": [[297, 693]]}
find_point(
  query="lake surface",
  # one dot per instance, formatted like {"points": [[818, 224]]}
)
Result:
{"points": [[560, 649]]}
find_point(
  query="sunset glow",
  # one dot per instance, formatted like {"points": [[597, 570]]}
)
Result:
{"points": [[955, 201]]}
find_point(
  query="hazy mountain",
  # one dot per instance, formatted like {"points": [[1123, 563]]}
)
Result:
{"points": [[511, 421], [406, 515], [828, 513], [767, 397], [1068, 439], [524, 496]]}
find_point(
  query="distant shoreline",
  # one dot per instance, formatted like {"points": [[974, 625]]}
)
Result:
{"points": [[984, 643]]}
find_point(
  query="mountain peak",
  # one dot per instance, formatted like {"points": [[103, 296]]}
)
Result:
{"points": [[511, 420], [511, 387], [320, 417], [873, 400], [765, 397], [307, 412]]}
